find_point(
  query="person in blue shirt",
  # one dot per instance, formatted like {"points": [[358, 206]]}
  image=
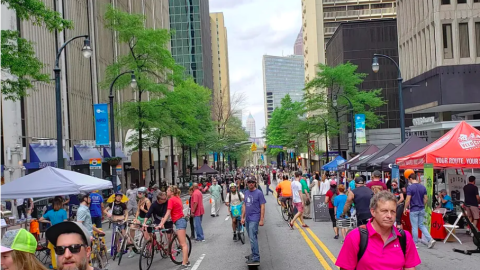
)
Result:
{"points": [[96, 209], [446, 200], [55, 215], [339, 203]]}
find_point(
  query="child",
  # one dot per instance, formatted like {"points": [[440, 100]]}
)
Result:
{"points": [[339, 203]]}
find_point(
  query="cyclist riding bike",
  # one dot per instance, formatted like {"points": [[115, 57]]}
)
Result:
{"points": [[117, 211], [284, 190], [157, 210], [234, 202], [142, 210]]}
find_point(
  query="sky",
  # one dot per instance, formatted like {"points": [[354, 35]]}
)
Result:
{"points": [[256, 28]]}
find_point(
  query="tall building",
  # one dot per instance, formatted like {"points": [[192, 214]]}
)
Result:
{"points": [[282, 75], [439, 47], [191, 43], [251, 130], [221, 77], [29, 126], [298, 46]]}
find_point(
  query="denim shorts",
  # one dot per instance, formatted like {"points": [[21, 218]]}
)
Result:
{"points": [[181, 224]]}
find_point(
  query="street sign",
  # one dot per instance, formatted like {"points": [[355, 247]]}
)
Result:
{"points": [[254, 147], [320, 209], [275, 146], [95, 163]]}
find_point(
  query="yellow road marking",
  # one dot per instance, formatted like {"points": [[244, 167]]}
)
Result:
{"points": [[321, 244], [319, 256]]}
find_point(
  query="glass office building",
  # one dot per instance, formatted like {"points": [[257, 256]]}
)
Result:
{"points": [[282, 75], [191, 39]]}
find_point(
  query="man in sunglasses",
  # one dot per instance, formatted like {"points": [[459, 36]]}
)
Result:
{"points": [[72, 245]]}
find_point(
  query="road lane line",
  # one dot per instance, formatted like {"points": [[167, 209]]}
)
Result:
{"points": [[227, 218], [198, 262], [319, 256], [321, 244]]}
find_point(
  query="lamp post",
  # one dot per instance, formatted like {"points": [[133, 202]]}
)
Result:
{"points": [[351, 120], [376, 68], [133, 84], [326, 137], [87, 53]]}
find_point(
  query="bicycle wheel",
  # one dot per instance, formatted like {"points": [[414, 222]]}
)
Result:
{"points": [[163, 243], [116, 242], [176, 252], [103, 258], [146, 255], [241, 234], [123, 247], [285, 214]]}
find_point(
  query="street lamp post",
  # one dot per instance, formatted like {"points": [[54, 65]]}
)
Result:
{"points": [[351, 120], [326, 137], [87, 53], [376, 68], [133, 84]]}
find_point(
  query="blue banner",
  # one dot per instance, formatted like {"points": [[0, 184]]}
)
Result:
{"points": [[396, 174], [360, 128], [215, 156], [102, 134]]}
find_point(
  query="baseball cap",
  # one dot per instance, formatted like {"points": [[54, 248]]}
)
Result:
{"points": [[20, 240], [251, 179], [333, 183], [359, 180], [377, 174], [56, 230], [408, 172]]}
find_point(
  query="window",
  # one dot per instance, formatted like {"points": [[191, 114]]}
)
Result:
{"points": [[464, 44], [447, 41], [477, 37], [445, 2], [461, 1]]}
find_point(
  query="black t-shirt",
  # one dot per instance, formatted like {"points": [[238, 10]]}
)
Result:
{"points": [[471, 192], [118, 209], [158, 211]]}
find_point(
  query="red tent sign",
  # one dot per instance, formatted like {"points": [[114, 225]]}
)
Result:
{"points": [[458, 148]]}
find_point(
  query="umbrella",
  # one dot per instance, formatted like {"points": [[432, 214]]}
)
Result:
{"points": [[112, 198], [49, 182]]}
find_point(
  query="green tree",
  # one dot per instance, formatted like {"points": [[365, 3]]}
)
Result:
{"points": [[17, 54], [155, 69], [340, 80]]}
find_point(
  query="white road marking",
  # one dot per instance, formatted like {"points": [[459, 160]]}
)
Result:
{"points": [[227, 218], [109, 250], [199, 261]]}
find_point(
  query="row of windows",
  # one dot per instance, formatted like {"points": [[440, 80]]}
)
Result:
{"points": [[463, 40], [448, 2]]}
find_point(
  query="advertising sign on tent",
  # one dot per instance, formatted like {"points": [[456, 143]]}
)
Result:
{"points": [[455, 184], [428, 176], [360, 128], [102, 134]]}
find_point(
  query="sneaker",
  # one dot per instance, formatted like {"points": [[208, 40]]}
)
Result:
{"points": [[290, 225], [431, 243], [212, 215], [131, 254], [235, 237], [252, 262], [248, 257], [185, 266], [336, 237]]}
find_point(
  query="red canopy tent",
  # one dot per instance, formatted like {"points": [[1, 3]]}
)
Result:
{"points": [[458, 148]]}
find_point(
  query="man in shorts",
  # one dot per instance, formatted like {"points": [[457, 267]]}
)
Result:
{"points": [[284, 190], [298, 200], [472, 199], [234, 198]]}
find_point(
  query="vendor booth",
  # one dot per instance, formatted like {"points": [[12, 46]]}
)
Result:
{"points": [[370, 150], [361, 164], [332, 165]]}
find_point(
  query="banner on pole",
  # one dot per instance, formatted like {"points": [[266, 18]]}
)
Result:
{"points": [[428, 176], [396, 174], [102, 134], [312, 146], [360, 128]]}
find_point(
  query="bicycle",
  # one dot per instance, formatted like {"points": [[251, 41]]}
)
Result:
{"points": [[98, 256], [117, 238], [173, 250], [136, 241], [287, 212], [240, 230]]}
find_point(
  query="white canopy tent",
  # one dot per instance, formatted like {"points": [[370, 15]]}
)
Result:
{"points": [[49, 182]]}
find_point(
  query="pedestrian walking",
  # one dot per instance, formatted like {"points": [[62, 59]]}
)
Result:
{"points": [[266, 179], [305, 197], [339, 204], [298, 201], [324, 185], [416, 199], [132, 199], [378, 245], [361, 196], [197, 210], [215, 191], [190, 214], [329, 198], [253, 213], [472, 200]]}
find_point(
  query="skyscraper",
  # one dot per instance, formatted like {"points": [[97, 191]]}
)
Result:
{"points": [[251, 126], [221, 79], [281, 76], [298, 46], [191, 43]]}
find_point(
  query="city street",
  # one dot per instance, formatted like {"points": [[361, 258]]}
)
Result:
{"points": [[282, 248]]}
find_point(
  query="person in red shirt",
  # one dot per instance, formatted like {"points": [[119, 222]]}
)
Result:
{"points": [[376, 185], [175, 210], [331, 209], [197, 212]]}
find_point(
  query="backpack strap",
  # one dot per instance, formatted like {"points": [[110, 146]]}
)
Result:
{"points": [[403, 241], [363, 241]]}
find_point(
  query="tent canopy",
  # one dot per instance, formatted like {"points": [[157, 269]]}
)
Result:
{"points": [[332, 165], [370, 150], [409, 146], [205, 169], [361, 165], [458, 148], [49, 182]]}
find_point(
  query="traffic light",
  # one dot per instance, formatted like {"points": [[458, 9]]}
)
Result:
{"points": [[264, 148]]}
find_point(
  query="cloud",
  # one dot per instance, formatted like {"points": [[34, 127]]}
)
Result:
{"points": [[256, 28]]}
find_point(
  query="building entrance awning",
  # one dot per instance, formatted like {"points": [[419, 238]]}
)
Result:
{"points": [[445, 125], [83, 152]]}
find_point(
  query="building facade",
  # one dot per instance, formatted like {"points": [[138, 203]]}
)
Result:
{"points": [[282, 75], [29, 125], [250, 127], [192, 42], [221, 77], [439, 47], [298, 46]]}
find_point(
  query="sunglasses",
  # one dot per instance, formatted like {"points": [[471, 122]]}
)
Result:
{"points": [[249, 182], [74, 249]]}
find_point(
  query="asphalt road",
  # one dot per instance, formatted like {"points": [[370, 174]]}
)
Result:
{"points": [[281, 248]]}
